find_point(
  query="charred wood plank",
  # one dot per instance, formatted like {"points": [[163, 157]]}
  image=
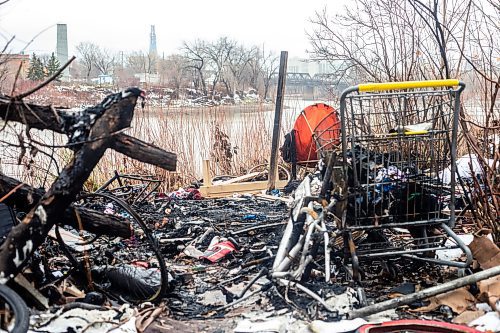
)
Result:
{"points": [[145, 152], [98, 223], [35, 116], [26, 197], [23, 198], [49, 118], [25, 237]]}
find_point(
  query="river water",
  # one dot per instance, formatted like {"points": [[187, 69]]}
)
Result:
{"points": [[196, 133], [192, 133]]}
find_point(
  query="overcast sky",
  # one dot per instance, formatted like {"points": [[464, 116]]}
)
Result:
{"points": [[124, 25]]}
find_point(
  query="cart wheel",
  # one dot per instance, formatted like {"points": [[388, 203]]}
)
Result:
{"points": [[362, 297], [356, 275], [139, 247], [15, 315]]}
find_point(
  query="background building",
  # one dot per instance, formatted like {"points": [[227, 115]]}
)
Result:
{"points": [[11, 62]]}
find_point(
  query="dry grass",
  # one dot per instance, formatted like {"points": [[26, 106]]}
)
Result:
{"points": [[234, 138]]}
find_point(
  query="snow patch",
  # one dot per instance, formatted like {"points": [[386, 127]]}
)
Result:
{"points": [[18, 260], [41, 213], [3, 279]]}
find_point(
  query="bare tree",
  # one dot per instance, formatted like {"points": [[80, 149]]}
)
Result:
{"points": [[377, 41], [140, 62], [87, 52], [173, 71], [197, 61], [238, 63], [268, 67], [218, 54], [104, 61], [254, 69]]}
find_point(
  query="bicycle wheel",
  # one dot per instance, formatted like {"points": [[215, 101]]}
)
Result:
{"points": [[14, 314], [283, 172], [118, 263]]}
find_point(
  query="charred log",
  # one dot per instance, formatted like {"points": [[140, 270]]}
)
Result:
{"points": [[145, 152], [31, 232], [25, 197], [64, 122]]}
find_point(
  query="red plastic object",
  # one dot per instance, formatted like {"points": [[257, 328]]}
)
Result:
{"points": [[415, 326], [218, 251], [142, 264], [318, 120]]}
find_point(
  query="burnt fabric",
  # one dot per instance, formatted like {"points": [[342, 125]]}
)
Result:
{"points": [[386, 193]]}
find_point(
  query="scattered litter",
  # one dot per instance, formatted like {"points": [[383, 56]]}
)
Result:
{"points": [[485, 252], [135, 281], [464, 165], [403, 289], [344, 302], [467, 317], [217, 251], [458, 300], [277, 325], [78, 319], [343, 326], [213, 298], [489, 292], [273, 259], [452, 253], [193, 252], [490, 322]]}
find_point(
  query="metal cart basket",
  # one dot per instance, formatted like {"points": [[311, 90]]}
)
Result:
{"points": [[397, 138]]}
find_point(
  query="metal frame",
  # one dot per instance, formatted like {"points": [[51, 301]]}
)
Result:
{"points": [[132, 198], [365, 92]]}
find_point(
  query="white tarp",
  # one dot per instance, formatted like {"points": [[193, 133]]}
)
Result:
{"points": [[464, 165]]}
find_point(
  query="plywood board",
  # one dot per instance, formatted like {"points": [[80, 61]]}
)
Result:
{"points": [[219, 191]]}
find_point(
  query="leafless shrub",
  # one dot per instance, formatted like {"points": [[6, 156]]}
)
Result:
{"points": [[418, 40]]}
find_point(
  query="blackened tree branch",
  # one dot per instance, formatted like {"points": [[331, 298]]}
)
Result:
{"points": [[25, 197], [25, 237], [46, 117]]}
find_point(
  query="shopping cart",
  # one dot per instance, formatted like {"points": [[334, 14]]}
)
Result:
{"points": [[396, 139]]}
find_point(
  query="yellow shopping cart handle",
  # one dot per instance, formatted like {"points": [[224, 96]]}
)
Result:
{"points": [[420, 132], [407, 85]]}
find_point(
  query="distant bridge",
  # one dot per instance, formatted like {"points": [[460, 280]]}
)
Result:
{"points": [[311, 87], [305, 79]]}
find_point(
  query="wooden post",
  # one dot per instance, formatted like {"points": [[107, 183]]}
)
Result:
{"points": [[273, 164], [207, 180]]}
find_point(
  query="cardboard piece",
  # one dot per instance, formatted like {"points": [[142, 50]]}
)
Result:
{"points": [[489, 292], [459, 300], [467, 316], [485, 252]]}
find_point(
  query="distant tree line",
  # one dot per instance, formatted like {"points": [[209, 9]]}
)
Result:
{"points": [[42, 66], [222, 66]]}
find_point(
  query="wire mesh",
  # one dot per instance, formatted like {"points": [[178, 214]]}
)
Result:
{"points": [[327, 134], [396, 145]]}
